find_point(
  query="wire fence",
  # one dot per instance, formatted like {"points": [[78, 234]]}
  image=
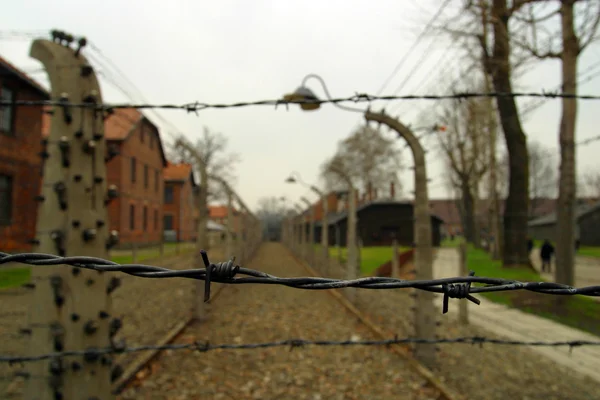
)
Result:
{"points": [[356, 98], [225, 272], [94, 354]]}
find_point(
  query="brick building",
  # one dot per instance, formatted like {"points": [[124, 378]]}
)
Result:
{"points": [[179, 219], [137, 171], [218, 214], [20, 162]]}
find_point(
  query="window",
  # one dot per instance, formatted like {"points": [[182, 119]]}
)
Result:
{"points": [[155, 220], [145, 219], [156, 181], [6, 191], [7, 114], [146, 176], [168, 194], [168, 222], [131, 217], [133, 172]]}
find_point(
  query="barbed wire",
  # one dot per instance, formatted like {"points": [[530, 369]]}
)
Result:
{"points": [[95, 353], [225, 272], [356, 98]]}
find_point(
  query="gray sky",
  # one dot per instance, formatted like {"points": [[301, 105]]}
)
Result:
{"points": [[227, 51]]}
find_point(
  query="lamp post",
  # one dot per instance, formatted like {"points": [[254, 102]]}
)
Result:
{"points": [[425, 324], [296, 178]]}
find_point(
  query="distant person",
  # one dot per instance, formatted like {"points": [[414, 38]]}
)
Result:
{"points": [[577, 244], [529, 245], [546, 253]]}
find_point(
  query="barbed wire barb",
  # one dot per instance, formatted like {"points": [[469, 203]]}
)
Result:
{"points": [[226, 272], [356, 98], [95, 353]]}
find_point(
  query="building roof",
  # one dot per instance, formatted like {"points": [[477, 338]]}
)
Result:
{"points": [[219, 211], [334, 218], [581, 210], [122, 122], [178, 173], [447, 210], [15, 72], [117, 126]]}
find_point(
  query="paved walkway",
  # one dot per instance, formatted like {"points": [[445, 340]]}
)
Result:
{"points": [[587, 270], [517, 325]]}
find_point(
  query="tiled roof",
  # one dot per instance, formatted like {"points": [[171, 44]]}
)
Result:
{"points": [[24, 77], [217, 211], [446, 209], [178, 172], [121, 122]]}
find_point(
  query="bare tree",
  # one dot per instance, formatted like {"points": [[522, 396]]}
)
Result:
{"points": [[542, 175], [211, 147], [567, 46], [590, 183], [370, 158], [486, 23], [465, 146]]}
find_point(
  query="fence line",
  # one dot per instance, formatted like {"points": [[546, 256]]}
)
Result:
{"points": [[356, 98], [225, 272], [93, 354]]}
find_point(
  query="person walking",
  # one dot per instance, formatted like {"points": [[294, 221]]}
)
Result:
{"points": [[546, 253]]}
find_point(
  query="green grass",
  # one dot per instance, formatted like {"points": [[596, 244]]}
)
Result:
{"points": [[589, 252], [452, 243], [11, 277], [371, 257], [577, 311]]}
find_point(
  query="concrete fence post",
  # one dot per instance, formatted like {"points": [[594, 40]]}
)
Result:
{"points": [[463, 310], [395, 273], [71, 308]]}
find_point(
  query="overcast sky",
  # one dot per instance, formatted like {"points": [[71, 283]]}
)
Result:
{"points": [[228, 51]]}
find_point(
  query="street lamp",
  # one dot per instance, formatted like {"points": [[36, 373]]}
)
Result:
{"points": [[296, 178], [424, 311]]}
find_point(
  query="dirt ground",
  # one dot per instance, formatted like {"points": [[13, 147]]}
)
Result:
{"points": [[263, 313]]}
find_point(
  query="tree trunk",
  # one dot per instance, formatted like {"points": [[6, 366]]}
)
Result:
{"points": [[469, 212], [565, 235], [517, 202]]}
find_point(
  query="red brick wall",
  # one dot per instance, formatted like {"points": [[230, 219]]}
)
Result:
{"points": [[135, 193], [19, 158], [182, 210]]}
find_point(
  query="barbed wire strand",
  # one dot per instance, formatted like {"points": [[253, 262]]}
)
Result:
{"points": [[292, 343], [225, 272], [357, 98]]}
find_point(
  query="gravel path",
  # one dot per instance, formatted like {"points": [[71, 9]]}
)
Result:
{"points": [[261, 313], [489, 372], [149, 308]]}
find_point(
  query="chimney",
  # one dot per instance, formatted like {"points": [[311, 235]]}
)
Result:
{"points": [[392, 190], [369, 192]]}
